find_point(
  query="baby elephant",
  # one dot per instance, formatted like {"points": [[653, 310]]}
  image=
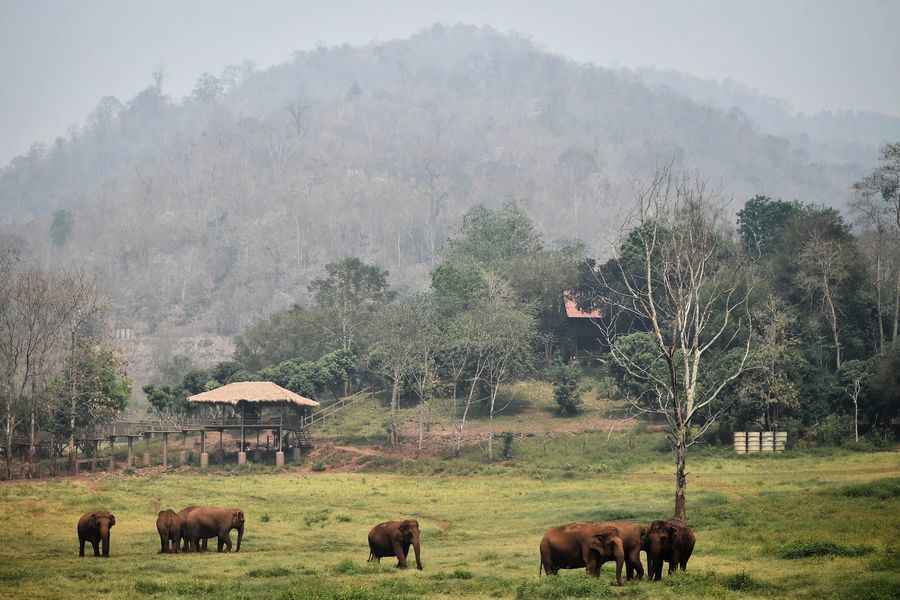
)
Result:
{"points": [[94, 527], [668, 541], [168, 524], [393, 538]]}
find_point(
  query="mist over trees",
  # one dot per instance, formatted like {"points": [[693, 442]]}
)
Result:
{"points": [[215, 210]]}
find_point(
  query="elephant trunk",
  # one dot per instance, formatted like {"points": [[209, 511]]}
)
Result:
{"points": [[104, 539], [619, 554], [240, 536], [416, 549]]}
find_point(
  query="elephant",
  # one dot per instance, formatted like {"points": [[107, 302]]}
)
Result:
{"points": [[671, 541], [559, 549], [203, 522], [168, 524], [393, 538], [182, 514], [94, 527]]}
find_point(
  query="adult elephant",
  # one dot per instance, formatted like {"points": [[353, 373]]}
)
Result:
{"points": [[668, 541], [578, 545], [94, 527], [203, 522], [168, 525], [393, 538]]}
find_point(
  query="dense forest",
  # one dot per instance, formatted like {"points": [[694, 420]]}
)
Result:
{"points": [[203, 216]]}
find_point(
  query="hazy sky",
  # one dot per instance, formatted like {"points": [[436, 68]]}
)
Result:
{"points": [[58, 57]]}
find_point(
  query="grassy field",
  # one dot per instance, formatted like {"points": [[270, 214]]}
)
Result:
{"points": [[801, 525]]}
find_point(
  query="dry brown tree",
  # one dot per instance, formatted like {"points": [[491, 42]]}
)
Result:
{"points": [[679, 277]]}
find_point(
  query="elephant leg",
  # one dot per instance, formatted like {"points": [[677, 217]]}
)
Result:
{"points": [[226, 540], [163, 544], [205, 542], [671, 566], [81, 547], [175, 544], [96, 546], [636, 563], [400, 554]]}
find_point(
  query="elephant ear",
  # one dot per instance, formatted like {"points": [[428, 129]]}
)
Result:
{"points": [[239, 516], [602, 540], [112, 519], [92, 519]]}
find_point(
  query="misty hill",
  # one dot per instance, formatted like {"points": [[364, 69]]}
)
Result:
{"points": [[204, 214], [852, 137]]}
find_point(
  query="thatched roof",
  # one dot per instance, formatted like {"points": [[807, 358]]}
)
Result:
{"points": [[251, 391]]}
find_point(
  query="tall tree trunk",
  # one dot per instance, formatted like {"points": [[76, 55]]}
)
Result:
{"points": [[395, 400], [834, 326], [896, 310], [879, 304], [680, 475]]}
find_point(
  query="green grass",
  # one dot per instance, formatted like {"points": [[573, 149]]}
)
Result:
{"points": [[802, 525]]}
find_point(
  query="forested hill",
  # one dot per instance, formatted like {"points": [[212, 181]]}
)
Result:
{"points": [[203, 214]]}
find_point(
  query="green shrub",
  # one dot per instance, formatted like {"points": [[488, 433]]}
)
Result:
{"points": [[318, 467], [343, 518], [265, 518], [833, 430], [811, 549], [347, 567], [560, 588], [565, 389], [271, 572], [743, 582], [319, 516], [148, 587], [887, 561], [883, 489]]}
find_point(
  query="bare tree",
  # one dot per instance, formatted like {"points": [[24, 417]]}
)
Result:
{"points": [[37, 309], [679, 276], [823, 268]]}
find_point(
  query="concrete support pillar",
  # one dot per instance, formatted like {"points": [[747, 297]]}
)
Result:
{"points": [[165, 451], [279, 459], [146, 458], [112, 455], [75, 465], [130, 451], [94, 463], [204, 460], [242, 458]]}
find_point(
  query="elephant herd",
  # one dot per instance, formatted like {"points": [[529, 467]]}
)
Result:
{"points": [[572, 546], [193, 525], [589, 545]]}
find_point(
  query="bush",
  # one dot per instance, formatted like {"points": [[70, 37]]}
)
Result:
{"points": [[271, 572], [883, 489], [743, 582], [559, 588], [565, 388], [812, 549], [318, 467], [833, 430]]}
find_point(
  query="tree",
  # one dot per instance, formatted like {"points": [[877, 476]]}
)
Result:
{"points": [[771, 390], [37, 311], [823, 267], [396, 351], [61, 227], [883, 218], [691, 291], [565, 388], [92, 390], [855, 374], [350, 293]]}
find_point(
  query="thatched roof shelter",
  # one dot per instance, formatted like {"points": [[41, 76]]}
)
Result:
{"points": [[251, 392]]}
